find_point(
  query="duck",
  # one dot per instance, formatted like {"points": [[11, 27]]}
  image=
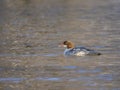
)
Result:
{"points": [[71, 50]]}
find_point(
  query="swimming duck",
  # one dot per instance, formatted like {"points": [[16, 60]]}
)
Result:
{"points": [[77, 51]]}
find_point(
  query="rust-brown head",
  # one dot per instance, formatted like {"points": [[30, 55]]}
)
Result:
{"points": [[67, 44]]}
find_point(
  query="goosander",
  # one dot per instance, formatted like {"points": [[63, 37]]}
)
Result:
{"points": [[77, 51]]}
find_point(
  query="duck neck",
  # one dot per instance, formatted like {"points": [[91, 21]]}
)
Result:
{"points": [[70, 46]]}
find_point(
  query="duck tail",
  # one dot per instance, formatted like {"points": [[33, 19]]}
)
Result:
{"points": [[98, 53]]}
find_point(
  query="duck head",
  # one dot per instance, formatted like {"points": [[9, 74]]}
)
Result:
{"points": [[67, 44]]}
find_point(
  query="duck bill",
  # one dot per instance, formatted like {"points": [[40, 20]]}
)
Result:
{"points": [[61, 45]]}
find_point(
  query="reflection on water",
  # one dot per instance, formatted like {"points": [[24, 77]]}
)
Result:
{"points": [[28, 55], [31, 31], [59, 75], [70, 67], [89, 77], [15, 80], [48, 79], [72, 70]]}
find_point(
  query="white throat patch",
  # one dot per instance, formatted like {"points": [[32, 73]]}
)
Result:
{"points": [[65, 46]]}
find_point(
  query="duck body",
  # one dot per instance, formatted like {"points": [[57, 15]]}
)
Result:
{"points": [[71, 50], [80, 51]]}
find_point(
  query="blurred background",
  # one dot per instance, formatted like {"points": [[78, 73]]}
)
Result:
{"points": [[30, 31]]}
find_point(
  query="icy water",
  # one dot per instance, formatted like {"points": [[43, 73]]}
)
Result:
{"points": [[31, 30]]}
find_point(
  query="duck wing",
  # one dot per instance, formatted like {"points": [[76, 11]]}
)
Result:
{"points": [[80, 51]]}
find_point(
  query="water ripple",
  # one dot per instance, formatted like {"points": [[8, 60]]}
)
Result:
{"points": [[48, 78], [11, 79]]}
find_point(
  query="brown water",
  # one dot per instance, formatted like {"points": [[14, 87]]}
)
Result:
{"points": [[31, 31]]}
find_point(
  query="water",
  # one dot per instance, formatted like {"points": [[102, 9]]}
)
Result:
{"points": [[31, 30]]}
